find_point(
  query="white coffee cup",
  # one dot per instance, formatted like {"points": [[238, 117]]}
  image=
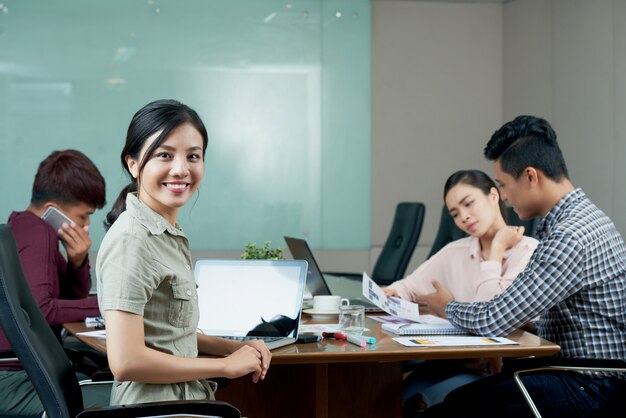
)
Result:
{"points": [[328, 303]]}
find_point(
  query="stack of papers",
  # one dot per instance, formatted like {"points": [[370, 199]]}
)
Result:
{"points": [[94, 322], [421, 328]]}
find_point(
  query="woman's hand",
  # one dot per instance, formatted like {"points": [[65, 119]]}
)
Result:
{"points": [[244, 361], [390, 292], [266, 356], [77, 243], [509, 236], [504, 239]]}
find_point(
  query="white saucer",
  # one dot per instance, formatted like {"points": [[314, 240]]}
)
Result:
{"points": [[315, 313]]}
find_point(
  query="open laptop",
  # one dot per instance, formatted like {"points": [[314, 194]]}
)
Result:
{"points": [[316, 281], [251, 299]]}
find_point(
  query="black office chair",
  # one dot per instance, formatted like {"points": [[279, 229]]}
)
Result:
{"points": [[396, 254], [45, 362], [520, 366], [448, 231]]}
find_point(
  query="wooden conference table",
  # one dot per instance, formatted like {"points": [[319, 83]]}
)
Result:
{"points": [[337, 379]]}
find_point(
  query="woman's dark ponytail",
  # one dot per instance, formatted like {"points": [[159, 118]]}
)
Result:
{"points": [[119, 205]]}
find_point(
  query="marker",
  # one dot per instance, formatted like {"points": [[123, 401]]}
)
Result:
{"points": [[356, 341], [335, 335], [366, 338]]}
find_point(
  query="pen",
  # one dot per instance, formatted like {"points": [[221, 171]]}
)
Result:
{"points": [[335, 335], [356, 341]]}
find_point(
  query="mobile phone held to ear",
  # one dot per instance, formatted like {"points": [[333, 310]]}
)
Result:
{"points": [[55, 218]]}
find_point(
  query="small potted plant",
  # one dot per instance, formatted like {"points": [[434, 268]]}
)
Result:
{"points": [[266, 252]]}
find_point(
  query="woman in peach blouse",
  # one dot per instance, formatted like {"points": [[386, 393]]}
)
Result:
{"points": [[476, 268]]}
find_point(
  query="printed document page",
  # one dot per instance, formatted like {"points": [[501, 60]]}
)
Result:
{"points": [[393, 306], [452, 341]]}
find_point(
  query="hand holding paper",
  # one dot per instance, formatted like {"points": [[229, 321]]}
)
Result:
{"points": [[391, 305]]}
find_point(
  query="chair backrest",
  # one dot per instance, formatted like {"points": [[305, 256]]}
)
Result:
{"points": [[33, 341], [448, 231], [396, 254]]}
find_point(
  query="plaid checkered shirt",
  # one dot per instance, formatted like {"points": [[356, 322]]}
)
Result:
{"points": [[575, 281]]}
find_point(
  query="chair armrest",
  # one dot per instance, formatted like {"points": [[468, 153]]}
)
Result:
{"points": [[200, 408], [8, 357], [532, 363], [89, 382], [104, 375]]}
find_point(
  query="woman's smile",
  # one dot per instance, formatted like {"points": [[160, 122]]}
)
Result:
{"points": [[176, 187]]}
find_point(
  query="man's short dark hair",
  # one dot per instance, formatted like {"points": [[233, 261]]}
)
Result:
{"points": [[68, 177], [527, 141]]}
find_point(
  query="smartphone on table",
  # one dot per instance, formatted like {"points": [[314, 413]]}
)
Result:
{"points": [[55, 218]]}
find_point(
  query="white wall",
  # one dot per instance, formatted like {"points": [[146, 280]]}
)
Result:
{"points": [[565, 60], [436, 100]]}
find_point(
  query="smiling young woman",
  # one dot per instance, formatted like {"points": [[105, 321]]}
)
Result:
{"points": [[172, 174], [146, 289]]}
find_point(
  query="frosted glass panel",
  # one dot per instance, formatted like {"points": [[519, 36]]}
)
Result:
{"points": [[283, 88]]}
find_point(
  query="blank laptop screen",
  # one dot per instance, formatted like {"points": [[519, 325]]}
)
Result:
{"points": [[240, 298]]}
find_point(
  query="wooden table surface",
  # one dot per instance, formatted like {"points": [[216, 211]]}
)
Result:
{"points": [[385, 349], [333, 378]]}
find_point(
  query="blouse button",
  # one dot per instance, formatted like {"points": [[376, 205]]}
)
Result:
{"points": [[189, 292], [188, 267]]}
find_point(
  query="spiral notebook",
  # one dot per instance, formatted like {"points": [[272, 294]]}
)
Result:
{"points": [[439, 327]]}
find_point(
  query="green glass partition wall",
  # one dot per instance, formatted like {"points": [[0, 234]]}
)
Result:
{"points": [[282, 86]]}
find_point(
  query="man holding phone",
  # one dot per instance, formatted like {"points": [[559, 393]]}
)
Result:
{"points": [[68, 188]]}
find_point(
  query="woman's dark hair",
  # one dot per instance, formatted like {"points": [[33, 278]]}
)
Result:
{"points": [[68, 177], [478, 179], [527, 141], [160, 115]]}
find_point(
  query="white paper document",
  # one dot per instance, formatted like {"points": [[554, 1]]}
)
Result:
{"points": [[452, 341], [393, 306], [101, 333], [318, 328]]}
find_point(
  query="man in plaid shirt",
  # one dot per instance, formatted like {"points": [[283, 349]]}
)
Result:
{"points": [[575, 282]]}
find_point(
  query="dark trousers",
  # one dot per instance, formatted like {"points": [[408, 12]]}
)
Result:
{"points": [[562, 394]]}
